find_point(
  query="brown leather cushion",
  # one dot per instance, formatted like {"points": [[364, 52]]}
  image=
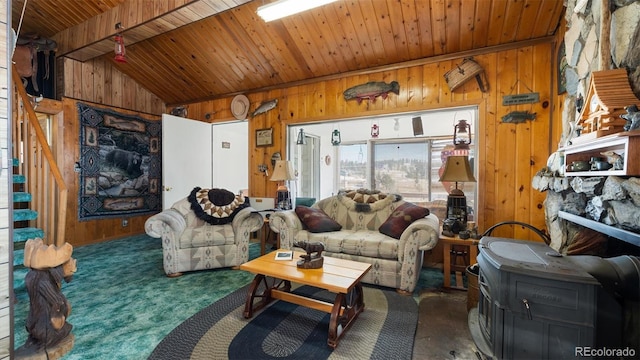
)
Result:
{"points": [[401, 218], [315, 220]]}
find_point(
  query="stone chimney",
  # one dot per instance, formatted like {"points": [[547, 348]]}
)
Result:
{"points": [[596, 39]]}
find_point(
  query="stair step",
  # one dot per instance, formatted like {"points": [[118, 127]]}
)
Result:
{"points": [[16, 162], [24, 214], [24, 234], [20, 196], [19, 179], [18, 258]]}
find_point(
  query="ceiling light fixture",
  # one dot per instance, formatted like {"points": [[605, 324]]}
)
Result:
{"points": [[283, 8]]}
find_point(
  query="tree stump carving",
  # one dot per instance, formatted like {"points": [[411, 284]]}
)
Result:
{"points": [[48, 308]]}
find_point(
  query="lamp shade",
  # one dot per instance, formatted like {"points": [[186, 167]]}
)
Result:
{"points": [[283, 171], [457, 169]]}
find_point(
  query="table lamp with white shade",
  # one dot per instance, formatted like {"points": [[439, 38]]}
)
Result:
{"points": [[457, 169], [283, 172]]}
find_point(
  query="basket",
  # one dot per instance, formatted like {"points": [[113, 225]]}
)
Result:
{"points": [[462, 73], [473, 290]]}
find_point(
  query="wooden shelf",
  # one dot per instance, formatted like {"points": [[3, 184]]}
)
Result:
{"points": [[624, 235], [622, 143]]}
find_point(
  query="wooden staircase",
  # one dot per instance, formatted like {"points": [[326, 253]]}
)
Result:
{"points": [[39, 191], [23, 217]]}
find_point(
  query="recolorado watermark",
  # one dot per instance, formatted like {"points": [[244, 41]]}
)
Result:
{"points": [[599, 352]]}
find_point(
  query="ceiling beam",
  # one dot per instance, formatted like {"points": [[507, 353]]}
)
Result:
{"points": [[140, 20]]}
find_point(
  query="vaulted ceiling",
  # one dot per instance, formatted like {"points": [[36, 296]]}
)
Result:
{"points": [[192, 50]]}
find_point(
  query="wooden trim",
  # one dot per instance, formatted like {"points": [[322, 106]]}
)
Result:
{"points": [[303, 301]]}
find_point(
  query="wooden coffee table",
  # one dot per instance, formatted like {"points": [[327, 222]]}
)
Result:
{"points": [[342, 277]]}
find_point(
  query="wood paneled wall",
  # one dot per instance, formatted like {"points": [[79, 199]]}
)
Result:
{"points": [[97, 82], [100, 82], [509, 154]]}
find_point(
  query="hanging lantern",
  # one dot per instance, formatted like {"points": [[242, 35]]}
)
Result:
{"points": [[335, 137], [119, 49], [302, 139], [375, 131], [462, 135]]}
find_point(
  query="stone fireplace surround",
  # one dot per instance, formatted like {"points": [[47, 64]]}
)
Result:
{"points": [[608, 200], [599, 35]]}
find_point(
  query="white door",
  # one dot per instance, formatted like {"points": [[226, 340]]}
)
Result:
{"points": [[186, 157], [231, 156]]}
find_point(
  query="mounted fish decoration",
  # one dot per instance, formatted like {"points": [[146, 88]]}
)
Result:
{"points": [[518, 117], [264, 107], [371, 90]]}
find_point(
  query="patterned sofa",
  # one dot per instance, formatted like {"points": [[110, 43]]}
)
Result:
{"points": [[214, 237], [376, 228]]}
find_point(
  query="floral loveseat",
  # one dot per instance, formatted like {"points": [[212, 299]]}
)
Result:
{"points": [[380, 229], [208, 229]]}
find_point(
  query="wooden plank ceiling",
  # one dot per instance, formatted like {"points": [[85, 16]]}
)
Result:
{"points": [[192, 50]]}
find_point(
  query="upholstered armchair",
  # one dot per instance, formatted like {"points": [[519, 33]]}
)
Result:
{"points": [[215, 235]]}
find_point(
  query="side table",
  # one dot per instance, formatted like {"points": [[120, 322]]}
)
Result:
{"points": [[447, 242], [266, 235]]}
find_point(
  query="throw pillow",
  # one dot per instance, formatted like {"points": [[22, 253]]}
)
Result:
{"points": [[216, 206], [305, 201], [401, 218], [316, 220]]}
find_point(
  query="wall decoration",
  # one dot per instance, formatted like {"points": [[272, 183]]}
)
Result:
{"points": [[264, 137], [240, 106], [417, 126], [336, 139], [375, 131], [275, 157], [518, 117], [371, 90], [120, 164], [264, 107], [608, 97], [180, 111], [467, 70]]}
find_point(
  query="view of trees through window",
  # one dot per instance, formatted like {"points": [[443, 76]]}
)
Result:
{"points": [[353, 166], [407, 167]]}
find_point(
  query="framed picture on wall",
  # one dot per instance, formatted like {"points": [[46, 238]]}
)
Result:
{"points": [[264, 137]]}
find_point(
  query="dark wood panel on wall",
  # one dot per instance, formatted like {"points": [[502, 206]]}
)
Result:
{"points": [[93, 231], [510, 153], [100, 82]]}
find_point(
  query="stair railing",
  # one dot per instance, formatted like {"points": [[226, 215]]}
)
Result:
{"points": [[37, 163]]}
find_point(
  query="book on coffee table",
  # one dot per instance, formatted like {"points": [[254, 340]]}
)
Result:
{"points": [[284, 255]]}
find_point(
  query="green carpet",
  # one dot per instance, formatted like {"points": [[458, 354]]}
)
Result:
{"points": [[123, 305]]}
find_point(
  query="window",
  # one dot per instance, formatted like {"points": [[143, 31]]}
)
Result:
{"points": [[398, 161], [353, 164], [409, 167], [401, 167]]}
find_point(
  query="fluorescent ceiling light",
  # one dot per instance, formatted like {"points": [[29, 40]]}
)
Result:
{"points": [[282, 8]]}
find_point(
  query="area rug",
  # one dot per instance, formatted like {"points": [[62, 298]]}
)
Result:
{"points": [[384, 330], [120, 164]]}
